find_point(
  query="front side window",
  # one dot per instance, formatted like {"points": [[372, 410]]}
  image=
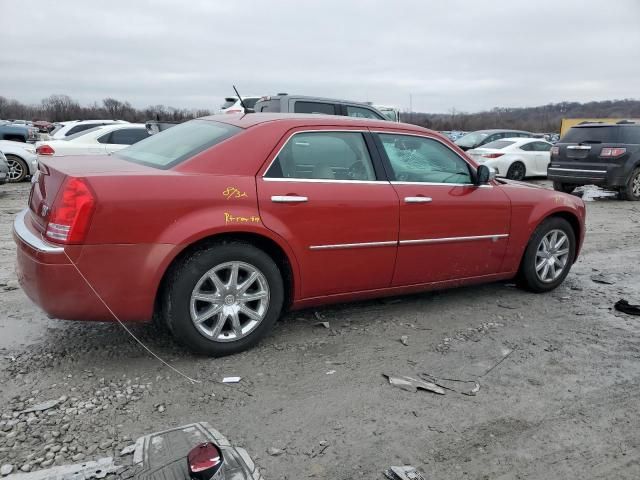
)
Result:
{"points": [[176, 144], [315, 107], [80, 128], [361, 112], [420, 159], [324, 156]]}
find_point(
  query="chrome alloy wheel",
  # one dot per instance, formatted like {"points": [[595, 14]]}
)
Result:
{"points": [[229, 301], [16, 169], [552, 256]]}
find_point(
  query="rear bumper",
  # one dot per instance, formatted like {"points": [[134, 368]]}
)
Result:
{"points": [[125, 276], [605, 175]]}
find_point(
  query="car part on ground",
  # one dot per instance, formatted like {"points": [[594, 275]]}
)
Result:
{"points": [[220, 224], [602, 154]]}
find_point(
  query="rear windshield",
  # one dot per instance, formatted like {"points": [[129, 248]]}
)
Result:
{"points": [[228, 102], [498, 144], [605, 134], [471, 139], [176, 144], [268, 106]]}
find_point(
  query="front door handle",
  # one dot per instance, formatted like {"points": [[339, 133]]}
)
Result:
{"points": [[418, 199], [288, 199]]}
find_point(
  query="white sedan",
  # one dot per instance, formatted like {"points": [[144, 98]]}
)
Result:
{"points": [[21, 159], [515, 158], [101, 140]]}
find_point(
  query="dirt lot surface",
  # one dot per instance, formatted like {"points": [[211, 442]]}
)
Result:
{"points": [[563, 403]]}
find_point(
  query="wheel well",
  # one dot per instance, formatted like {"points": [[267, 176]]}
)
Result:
{"points": [[575, 225], [265, 244]]}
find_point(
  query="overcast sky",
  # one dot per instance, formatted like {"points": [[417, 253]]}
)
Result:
{"points": [[469, 55]]}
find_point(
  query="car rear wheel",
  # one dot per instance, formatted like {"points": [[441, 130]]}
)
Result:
{"points": [[564, 187], [631, 191], [516, 171], [223, 299], [18, 169], [548, 256]]}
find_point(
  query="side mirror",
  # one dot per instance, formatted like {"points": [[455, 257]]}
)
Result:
{"points": [[485, 174]]}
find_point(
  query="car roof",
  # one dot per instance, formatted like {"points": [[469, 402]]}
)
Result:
{"points": [[603, 124], [321, 99], [305, 119]]}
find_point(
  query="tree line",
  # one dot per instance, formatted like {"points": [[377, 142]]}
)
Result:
{"points": [[543, 119], [58, 108], [546, 118]]}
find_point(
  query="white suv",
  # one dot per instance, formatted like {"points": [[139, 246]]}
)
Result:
{"points": [[66, 129]]}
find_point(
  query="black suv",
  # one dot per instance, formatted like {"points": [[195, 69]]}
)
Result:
{"points": [[603, 154]]}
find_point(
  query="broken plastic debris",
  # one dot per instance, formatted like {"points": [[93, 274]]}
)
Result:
{"points": [[231, 379], [331, 372], [413, 384], [625, 307], [405, 472], [465, 387]]}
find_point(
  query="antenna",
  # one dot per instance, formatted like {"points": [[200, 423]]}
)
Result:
{"points": [[244, 107]]}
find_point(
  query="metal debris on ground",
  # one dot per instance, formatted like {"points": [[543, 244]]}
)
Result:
{"points": [[505, 354], [604, 279], [625, 307], [322, 324], [231, 379], [465, 387], [406, 472], [404, 339], [413, 384]]}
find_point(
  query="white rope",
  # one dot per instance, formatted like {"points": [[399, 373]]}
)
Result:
{"points": [[192, 380]]}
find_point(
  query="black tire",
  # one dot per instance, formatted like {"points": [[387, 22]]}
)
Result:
{"points": [[183, 278], [527, 276], [564, 187], [631, 190], [18, 169], [517, 171]]}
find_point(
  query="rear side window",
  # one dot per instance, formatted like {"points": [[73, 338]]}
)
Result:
{"points": [[540, 146], [361, 112], [324, 156], [176, 144], [499, 144], [126, 136], [315, 107], [605, 134], [80, 128]]}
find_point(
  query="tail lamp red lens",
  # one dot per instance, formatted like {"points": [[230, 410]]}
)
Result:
{"points": [[45, 150], [233, 110], [71, 213], [492, 155], [607, 152], [205, 462]]}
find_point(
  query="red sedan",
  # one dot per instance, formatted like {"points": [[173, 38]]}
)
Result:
{"points": [[220, 224]]}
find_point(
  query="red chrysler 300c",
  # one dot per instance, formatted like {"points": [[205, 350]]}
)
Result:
{"points": [[219, 224]]}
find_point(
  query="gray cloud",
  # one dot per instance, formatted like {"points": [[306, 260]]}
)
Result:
{"points": [[467, 55]]}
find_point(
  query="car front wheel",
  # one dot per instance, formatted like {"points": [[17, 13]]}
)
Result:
{"points": [[223, 299], [548, 256]]}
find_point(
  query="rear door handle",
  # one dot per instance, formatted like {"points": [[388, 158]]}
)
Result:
{"points": [[418, 199], [288, 199]]}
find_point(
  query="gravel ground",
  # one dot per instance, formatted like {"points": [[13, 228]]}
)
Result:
{"points": [[562, 402]]}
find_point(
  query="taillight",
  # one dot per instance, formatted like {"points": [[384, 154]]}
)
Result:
{"points": [[555, 151], [492, 155], [71, 213], [45, 150], [233, 110], [612, 152]]}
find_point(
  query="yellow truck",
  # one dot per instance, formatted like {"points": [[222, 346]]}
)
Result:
{"points": [[567, 123]]}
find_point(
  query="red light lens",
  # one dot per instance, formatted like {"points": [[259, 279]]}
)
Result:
{"points": [[612, 152], [205, 461], [71, 213], [492, 155], [45, 150], [233, 110]]}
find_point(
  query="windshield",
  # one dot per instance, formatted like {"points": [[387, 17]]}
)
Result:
{"points": [[176, 144], [471, 139], [498, 144]]}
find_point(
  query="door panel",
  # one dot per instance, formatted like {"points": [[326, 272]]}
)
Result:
{"points": [[322, 195], [437, 237]]}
